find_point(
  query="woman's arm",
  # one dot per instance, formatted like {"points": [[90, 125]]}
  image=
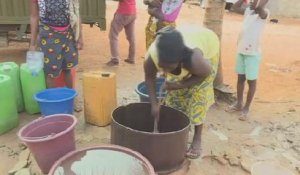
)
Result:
{"points": [[200, 70], [152, 3], [150, 77], [34, 22], [156, 12]]}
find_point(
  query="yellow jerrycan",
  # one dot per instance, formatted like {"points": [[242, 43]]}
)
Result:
{"points": [[100, 97]]}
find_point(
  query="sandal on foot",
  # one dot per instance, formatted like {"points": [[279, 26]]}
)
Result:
{"points": [[193, 154], [232, 108], [113, 62], [129, 61]]}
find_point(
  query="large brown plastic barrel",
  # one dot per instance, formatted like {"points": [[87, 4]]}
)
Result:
{"points": [[132, 127]]}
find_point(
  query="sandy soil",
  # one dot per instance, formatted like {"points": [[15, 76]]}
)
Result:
{"points": [[230, 146]]}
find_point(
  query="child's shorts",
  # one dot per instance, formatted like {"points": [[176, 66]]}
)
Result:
{"points": [[59, 49], [248, 65]]}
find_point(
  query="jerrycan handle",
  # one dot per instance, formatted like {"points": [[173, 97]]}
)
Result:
{"points": [[105, 74], [7, 68]]}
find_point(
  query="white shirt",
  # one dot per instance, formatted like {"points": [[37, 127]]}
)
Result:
{"points": [[249, 39]]}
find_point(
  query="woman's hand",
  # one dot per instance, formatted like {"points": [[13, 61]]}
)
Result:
{"points": [[169, 86]]}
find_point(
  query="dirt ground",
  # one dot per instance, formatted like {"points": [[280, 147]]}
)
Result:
{"points": [[230, 146]]}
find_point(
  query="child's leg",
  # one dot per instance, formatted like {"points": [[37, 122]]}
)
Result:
{"points": [[115, 28], [68, 78], [50, 81], [252, 63], [250, 95], [130, 35], [240, 90], [240, 70]]}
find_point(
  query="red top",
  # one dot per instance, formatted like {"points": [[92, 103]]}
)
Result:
{"points": [[127, 7]]}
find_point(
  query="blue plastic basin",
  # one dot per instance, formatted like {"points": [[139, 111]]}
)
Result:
{"points": [[56, 101], [142, 90]]}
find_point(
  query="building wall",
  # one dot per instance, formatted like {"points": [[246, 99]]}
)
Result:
{"points": [[286, 8]]}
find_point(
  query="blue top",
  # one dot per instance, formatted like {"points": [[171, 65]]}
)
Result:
{"points": [[54, 12]]}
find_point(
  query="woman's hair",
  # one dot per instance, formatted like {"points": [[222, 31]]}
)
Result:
{"points": [[170, 45]]}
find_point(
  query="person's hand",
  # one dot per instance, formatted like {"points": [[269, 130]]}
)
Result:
{"points": [[259, 10], [32, 48], [154, 3], [80, 43], [252, 5], [169, 86]]}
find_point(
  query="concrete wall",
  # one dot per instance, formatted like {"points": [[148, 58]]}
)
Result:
{"points": [[286, 8]]}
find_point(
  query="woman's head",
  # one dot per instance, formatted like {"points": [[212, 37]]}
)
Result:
{"points": [[170, 47]]}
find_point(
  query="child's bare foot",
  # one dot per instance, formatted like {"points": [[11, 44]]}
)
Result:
{"points": [[234, 108], [244, 115]]}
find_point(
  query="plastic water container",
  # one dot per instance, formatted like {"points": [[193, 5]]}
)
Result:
{"points": [[31, 84], [8, 108], [35, 61], [56, 101], [100, 97], [49, 138], [142, 90], [12, 70]]}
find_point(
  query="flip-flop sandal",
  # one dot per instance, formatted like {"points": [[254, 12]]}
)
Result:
{"points": [[193, 155], [232, 108], [129, 61], [113, 62], [188, 150]]}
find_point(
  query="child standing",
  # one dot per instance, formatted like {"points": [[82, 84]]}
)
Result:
{"points": [[124, 18], [249, 52], [56, 31]]}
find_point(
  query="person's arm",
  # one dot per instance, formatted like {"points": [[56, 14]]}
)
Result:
{"points": [[150, 79], [200, 70], [80, 39], [152, 3], [238, 7], [156, 12], [34, 22], [263, 14], [261, 11]]}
